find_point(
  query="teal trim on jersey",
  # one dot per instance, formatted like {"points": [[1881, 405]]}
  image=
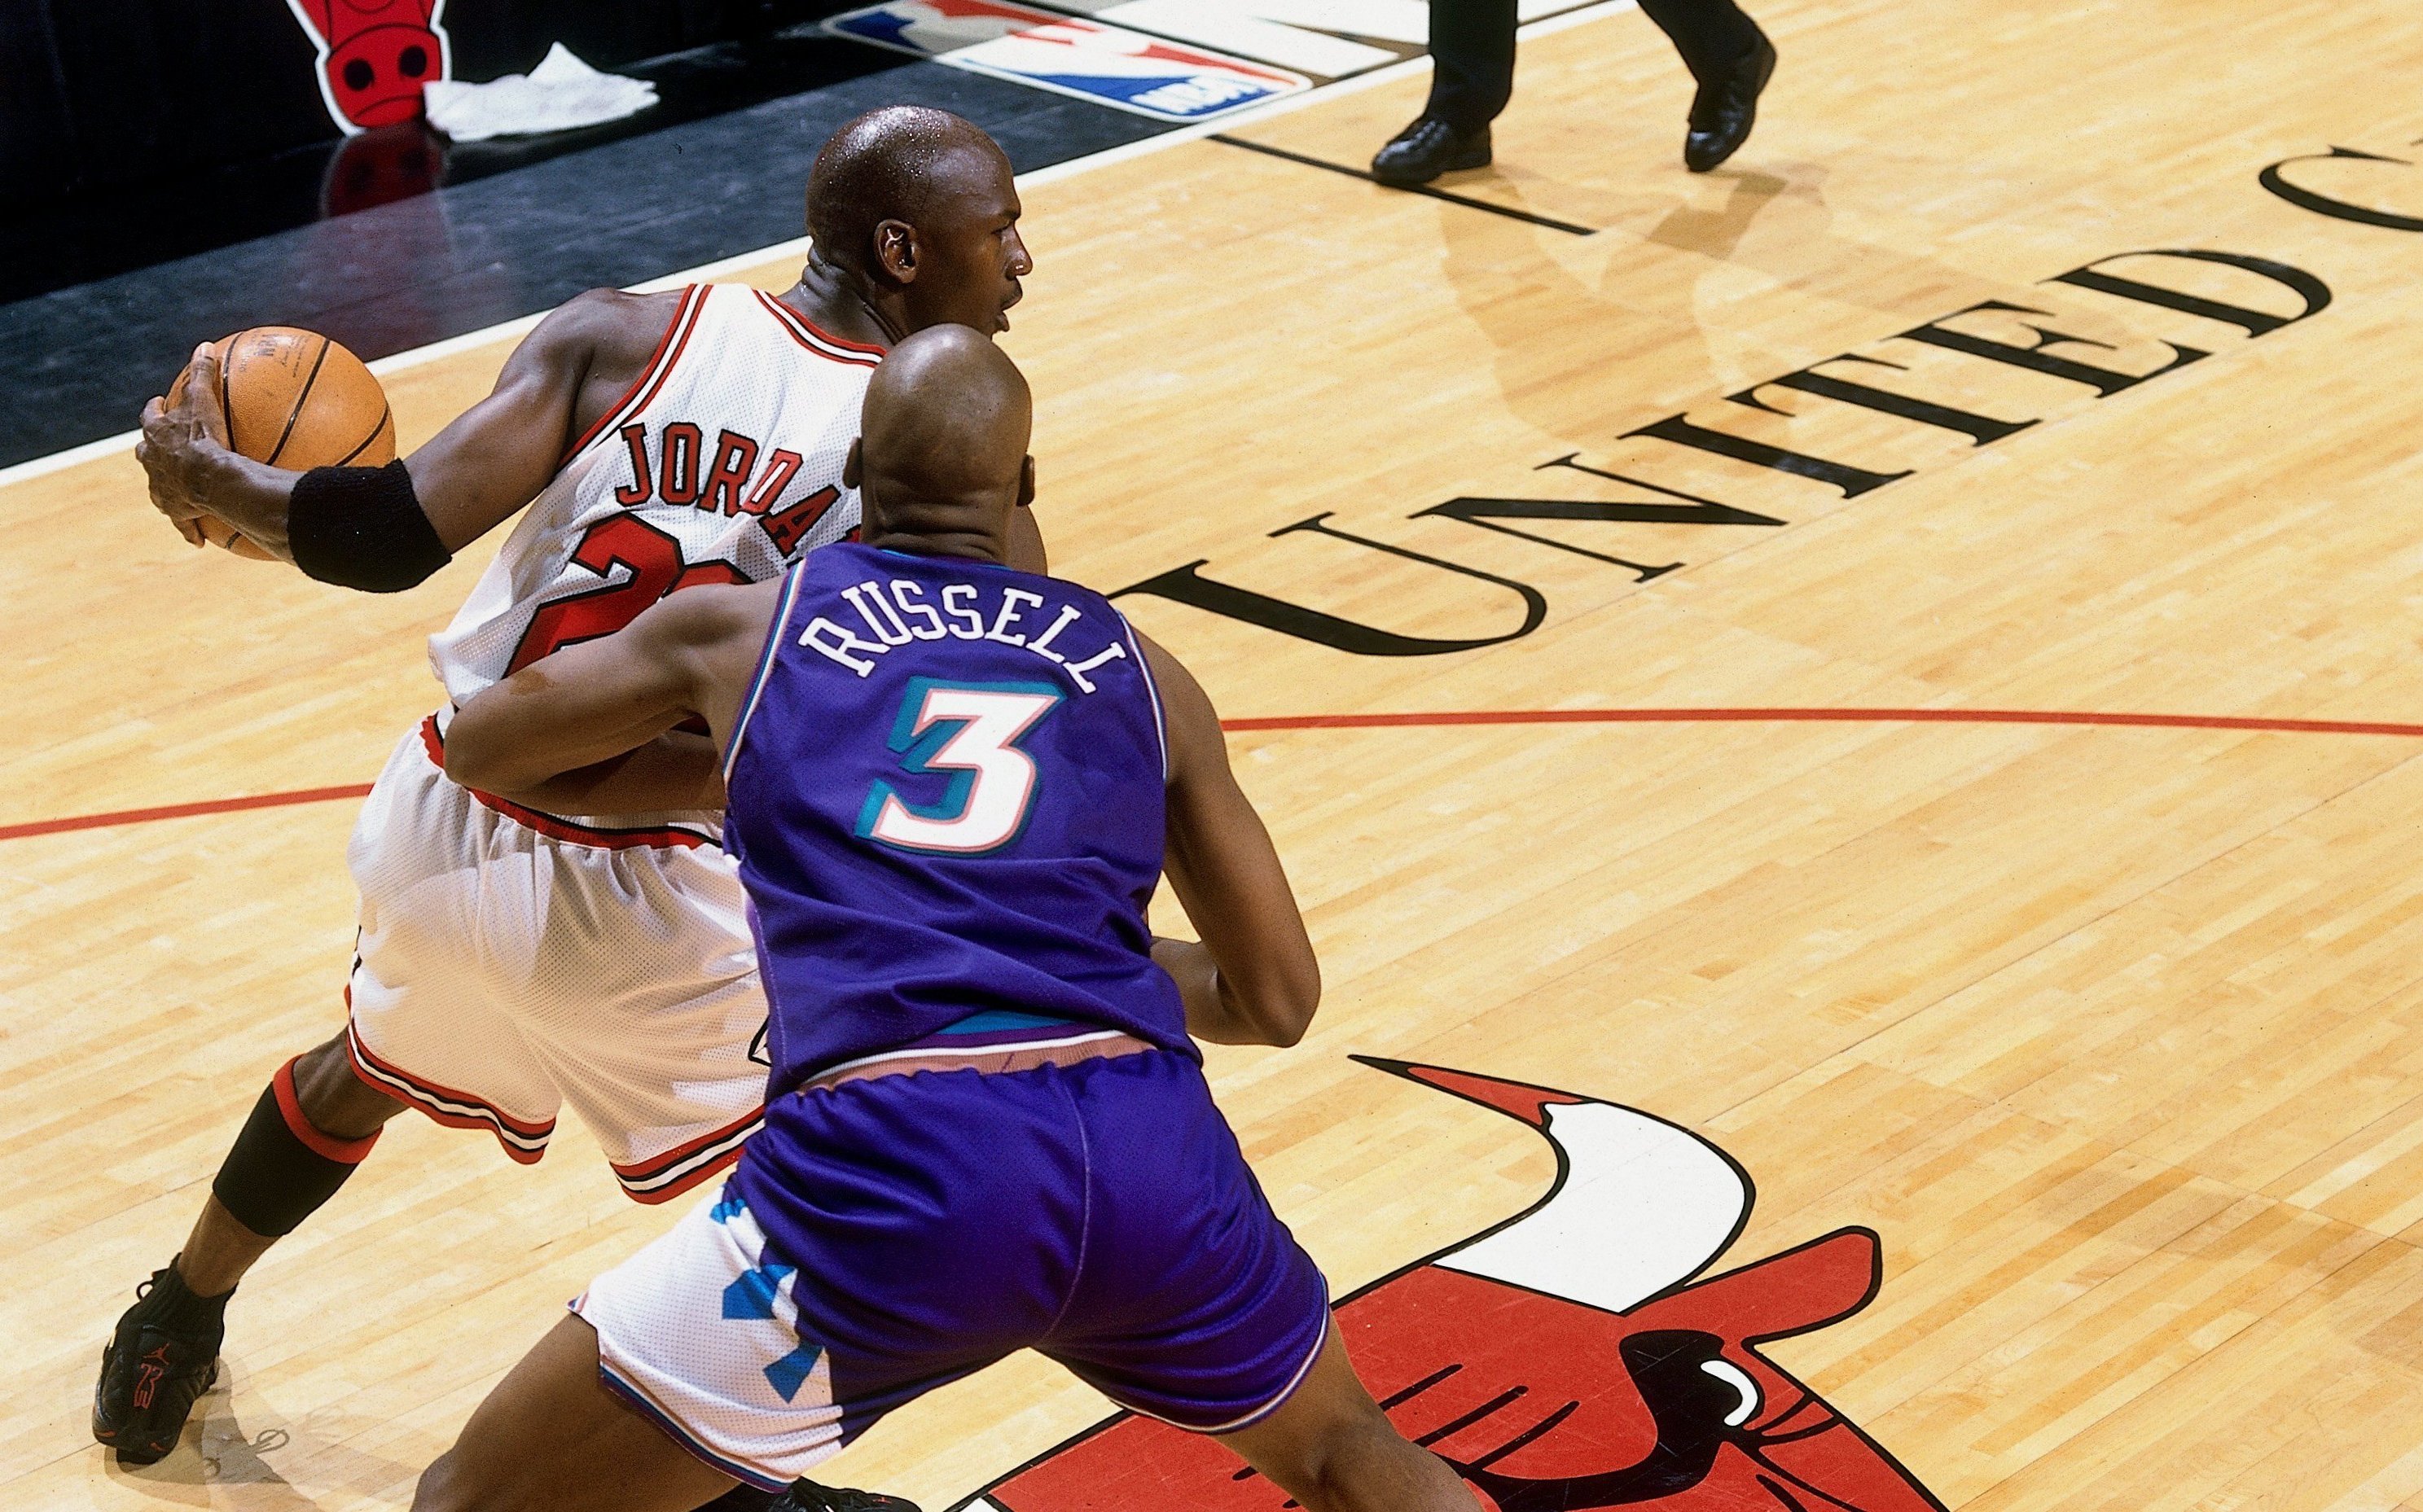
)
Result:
{"points": [[917, 751], [994, 1019]]}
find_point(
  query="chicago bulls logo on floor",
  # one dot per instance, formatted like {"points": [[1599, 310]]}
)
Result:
{"points": [[1567, 1359]]}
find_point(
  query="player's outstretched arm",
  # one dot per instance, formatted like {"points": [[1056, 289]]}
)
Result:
{"points": [[1254, 979], [579, 729], [467, 480]]}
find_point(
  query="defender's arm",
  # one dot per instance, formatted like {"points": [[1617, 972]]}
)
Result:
{"points": [[579, 729], [1254, 979], [676, 770], [469, 479]]}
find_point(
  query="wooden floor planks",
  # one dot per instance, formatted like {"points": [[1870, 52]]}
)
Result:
{"points": [[2112, 1035]]}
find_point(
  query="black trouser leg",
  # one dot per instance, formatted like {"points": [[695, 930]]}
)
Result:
{"points": [[1472, 60], [1712, 35], [1472, 50]]}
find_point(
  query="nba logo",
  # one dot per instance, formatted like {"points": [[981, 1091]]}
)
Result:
{"points": [[1108, 65]]}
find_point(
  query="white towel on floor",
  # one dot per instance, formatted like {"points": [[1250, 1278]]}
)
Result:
{"points": [[562, 92]]}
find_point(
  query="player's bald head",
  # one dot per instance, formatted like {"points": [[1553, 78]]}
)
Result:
{"points": [[893, 163], [946, 423]]}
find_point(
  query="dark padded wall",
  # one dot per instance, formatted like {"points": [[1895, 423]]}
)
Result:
{"points": [[103, 94], [494, 37], [94, 93]]}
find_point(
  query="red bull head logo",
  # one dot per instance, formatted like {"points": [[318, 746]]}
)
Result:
{"points": [[375, 56], [1567, 1359]]}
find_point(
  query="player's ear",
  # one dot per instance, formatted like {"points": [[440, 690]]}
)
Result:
{"points": [[1025, 482], [852, 466], [895, 250]]}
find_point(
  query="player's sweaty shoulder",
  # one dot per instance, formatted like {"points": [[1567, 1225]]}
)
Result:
{"points": [[609, 332], [594, 346]]}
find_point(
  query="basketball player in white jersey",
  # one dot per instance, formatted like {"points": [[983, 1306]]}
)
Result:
{"points": [[511, 960]]}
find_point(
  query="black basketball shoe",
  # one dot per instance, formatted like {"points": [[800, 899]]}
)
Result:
{"points": [[807, 1496], [164, 1356]]}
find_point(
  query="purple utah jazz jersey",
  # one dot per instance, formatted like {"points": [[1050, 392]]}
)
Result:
{"points": [[945, 793]]}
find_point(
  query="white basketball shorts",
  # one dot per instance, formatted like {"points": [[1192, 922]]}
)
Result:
{"points": [[510, 962], [699, 1332]]}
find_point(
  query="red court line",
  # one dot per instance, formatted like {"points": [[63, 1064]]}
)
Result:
{"points": [[1441, 718], [2038, 717], [183, 811]]}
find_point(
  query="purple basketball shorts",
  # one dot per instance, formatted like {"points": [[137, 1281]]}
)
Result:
{"points": [[885, 1236]]}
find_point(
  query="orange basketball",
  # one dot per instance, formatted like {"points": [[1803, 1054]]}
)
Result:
{"points": [[294, 398]]}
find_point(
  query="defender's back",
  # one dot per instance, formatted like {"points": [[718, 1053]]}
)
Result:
{"points": [[947, 796]]}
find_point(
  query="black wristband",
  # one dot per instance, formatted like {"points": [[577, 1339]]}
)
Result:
{"points": [[362, 527]]}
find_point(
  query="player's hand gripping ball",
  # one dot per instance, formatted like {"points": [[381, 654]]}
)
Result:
{"points": [[289, 397]]}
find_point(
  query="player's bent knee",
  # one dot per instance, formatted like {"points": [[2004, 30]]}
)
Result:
{"points": [[336, 1100], [439, 1490], [1325, 1469], [447, 1486], [551, 1436], [451, 1486], [1332, 1449]]}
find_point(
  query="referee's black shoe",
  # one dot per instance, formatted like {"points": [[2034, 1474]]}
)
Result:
{"points": [[164, 1356], [1427, 148], [1726, 107]]}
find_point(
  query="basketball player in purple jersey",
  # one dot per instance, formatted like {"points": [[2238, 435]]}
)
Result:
{"points": [[514, 958], [953, 787]]}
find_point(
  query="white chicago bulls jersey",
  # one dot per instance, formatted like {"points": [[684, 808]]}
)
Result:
{"points": [[720, 464]]}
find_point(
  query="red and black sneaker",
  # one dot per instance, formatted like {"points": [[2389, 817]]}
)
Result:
{"points": [[807, 1496], [164, 1356]]}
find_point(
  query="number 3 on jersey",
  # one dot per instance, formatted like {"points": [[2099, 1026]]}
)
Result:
{"points": [[969, 729]]}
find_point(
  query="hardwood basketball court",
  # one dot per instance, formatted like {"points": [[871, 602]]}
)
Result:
{"points": [[2111, 1031]]}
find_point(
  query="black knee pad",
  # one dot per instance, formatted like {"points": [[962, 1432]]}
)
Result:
{"points": [[282, 1169]]}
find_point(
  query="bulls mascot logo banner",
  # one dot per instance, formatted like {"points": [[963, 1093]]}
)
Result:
{"points": [[375, 57], [1569, 1357]]}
